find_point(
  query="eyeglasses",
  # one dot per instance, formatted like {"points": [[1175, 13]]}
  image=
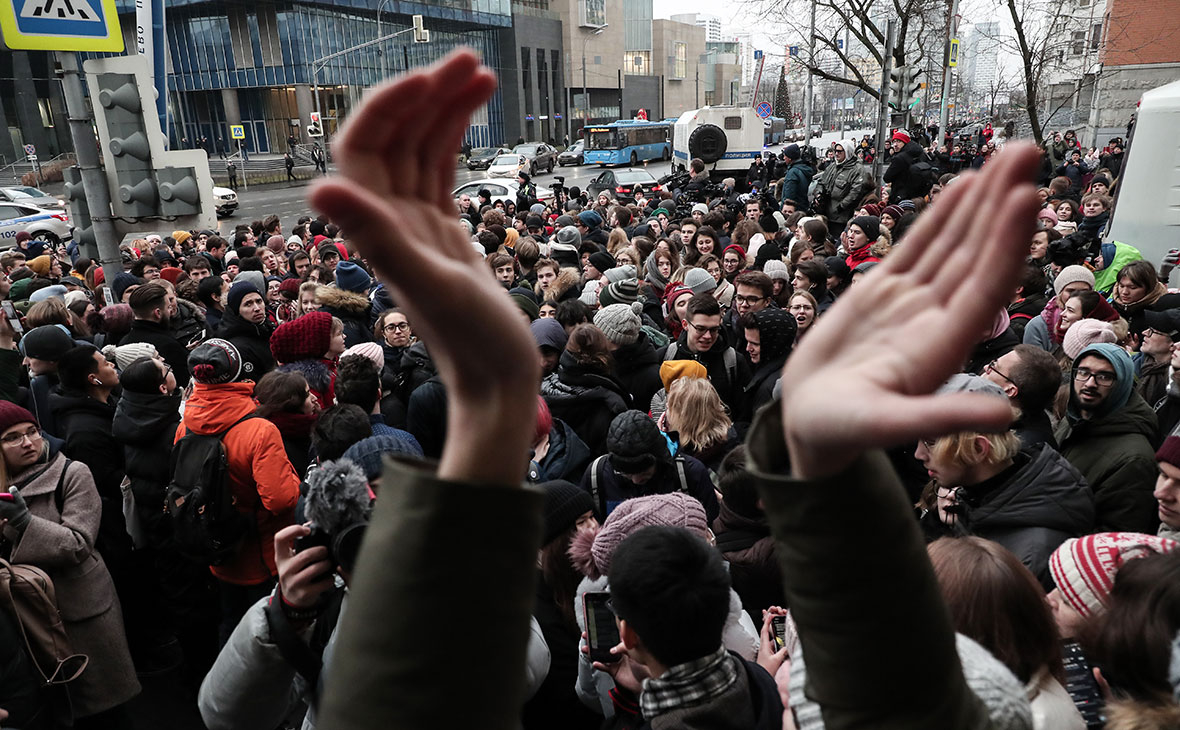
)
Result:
{"points": [[1103, 378], [13, 439], [992, 367], [704, 330], [398, 327], [740, 299]]}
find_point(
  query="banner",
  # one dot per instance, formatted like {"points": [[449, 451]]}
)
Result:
{"points": [[150, 42]]}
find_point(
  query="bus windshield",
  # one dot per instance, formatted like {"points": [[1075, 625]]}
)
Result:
{"points": [[601, 139]]}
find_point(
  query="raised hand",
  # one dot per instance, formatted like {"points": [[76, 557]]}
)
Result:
{"points": [[396, 160], [863, 378]]}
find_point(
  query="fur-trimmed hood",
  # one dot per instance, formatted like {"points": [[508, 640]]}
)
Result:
{"points": [[341, 300], [567, 280], [1128, 715], [320, 374]]}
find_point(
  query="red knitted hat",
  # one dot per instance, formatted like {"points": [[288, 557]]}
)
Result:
{"points": [[905, 138], [11, 414], [290, 287], [741, 252], [303, 338], [1169, 453], [171, 273], [1084, 568]]}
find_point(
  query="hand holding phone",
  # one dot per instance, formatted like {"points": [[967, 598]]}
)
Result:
{"points": [[601, 629]]}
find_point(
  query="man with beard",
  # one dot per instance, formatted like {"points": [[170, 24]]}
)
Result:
{"points": [[153, 320]]}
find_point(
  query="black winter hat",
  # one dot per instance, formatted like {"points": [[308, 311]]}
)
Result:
{"points": [[635, 442], [47, 342], [564, 504], [215, 362], [837, 266], [602, 261], [792, 152], [776, 330], [870, 224]]}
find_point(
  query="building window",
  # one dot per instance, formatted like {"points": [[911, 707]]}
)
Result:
{"points": [[525, 73], [1079, 42], [679, 60], [1095, 36], [46, 113], [637, 63], [593, 13]]}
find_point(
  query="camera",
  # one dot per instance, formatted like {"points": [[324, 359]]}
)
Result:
{"points": [[343, 547]]}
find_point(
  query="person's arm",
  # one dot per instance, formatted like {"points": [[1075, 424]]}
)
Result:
{"points": [[278, 484], [405, 625], [862, 382]]}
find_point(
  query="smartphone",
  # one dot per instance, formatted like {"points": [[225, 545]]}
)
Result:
{"points": [[1082, 687], [6, 497], [601, 630], [12, 315], [778, 625]]}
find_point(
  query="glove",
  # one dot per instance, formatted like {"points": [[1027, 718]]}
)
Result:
{"points": [[15, 511], [1171, 258]]}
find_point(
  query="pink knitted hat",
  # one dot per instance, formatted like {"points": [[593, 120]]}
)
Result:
{"points": [[1084, 567], [591, 551], [1086, 332]]}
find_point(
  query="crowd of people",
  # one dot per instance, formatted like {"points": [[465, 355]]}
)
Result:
{"points": [[841, 455]]}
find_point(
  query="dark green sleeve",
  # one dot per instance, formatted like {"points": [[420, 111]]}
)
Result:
{"points": [[444, 582], [10, 367], [879, 643]]}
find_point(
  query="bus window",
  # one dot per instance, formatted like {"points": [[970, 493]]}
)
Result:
{"points": [[601, 139]]}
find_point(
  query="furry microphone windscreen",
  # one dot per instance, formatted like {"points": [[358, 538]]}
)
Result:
{"points": [[337, 496]]}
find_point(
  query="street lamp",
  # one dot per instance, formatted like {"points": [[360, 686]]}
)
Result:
{"points": [[585, 94]]}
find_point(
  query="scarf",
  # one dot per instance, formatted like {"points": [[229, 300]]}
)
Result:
{"points": [[689, 684]]}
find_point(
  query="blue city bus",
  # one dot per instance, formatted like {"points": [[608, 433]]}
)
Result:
{"points": [[628, 142], [776, 130]]}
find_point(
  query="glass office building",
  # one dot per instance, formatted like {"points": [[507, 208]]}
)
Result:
{"points": [[252, 63]]}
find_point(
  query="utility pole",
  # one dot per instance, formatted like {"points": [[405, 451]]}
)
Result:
{"points": [[883, 107], [808, 100], [952, 30], [94, 180]]}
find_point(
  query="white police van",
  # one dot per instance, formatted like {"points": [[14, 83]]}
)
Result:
{"points": [[46, 225], [726, 138]]}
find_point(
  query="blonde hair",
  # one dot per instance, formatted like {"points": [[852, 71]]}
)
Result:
{"points": [[696, 413], [635, 257], [963, 449], [618, 239]]}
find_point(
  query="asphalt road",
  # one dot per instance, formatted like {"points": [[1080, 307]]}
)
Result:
{"points": [[289, 201]]}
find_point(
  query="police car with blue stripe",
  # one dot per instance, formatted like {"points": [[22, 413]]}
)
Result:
{"points": [[45, 225], [726, 138]]}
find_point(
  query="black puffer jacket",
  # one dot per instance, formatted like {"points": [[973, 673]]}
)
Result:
{"points": [[160, 336], [252, 341], [351, 308], [1033, 510], [637, 367], [566, 459], [145, 425], [907, 183], [584, 399]]}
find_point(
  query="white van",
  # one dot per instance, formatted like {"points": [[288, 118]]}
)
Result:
{"points": [[726, 138], [1147, 204]]}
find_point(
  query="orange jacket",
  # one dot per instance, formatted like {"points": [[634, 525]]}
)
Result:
{"points": [[263, 482]]}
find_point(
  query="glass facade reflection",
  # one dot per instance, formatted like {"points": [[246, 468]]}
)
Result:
{"points": [[259, 57]]}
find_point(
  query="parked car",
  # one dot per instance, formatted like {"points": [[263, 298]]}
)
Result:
{"points": [[573, 155], [225, 201], [46, 225], [538, 155], [507, 165], [621, 184], [26, 195], [504, 189], [481, 159]]}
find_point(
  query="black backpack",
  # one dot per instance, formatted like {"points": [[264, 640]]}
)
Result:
{"points": [[206, 524]]}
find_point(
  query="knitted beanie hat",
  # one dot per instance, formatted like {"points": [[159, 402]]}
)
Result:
{"points": [[117, 317], [1048, 214], [171, 273], [290, 288], [564, 504], [353, 278], [988, 679], [1084, 568], [700, 281], [619, 273], [969, 383], [275, 243], [590, 219], [673, 510], [870, 224], [11, 414], [1169, 452], [589, 295], [777, 330], [121, 282], [548, 332], [371, 350], [569, 236], [215, 361], [124, 355], [369, 452], [620, 292], [303, 338], [239, 291], [1086, 332], [47, 342], [602, 261], [776, 269], [619, 322], [635, 442], [527, 304], [41, 265], [48, 292], [1070, 274], [181, 236], [893, 211], [673, 370], [257, 278]]}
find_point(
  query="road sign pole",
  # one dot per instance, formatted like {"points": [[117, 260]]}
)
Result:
{"points": [[94, 180]]}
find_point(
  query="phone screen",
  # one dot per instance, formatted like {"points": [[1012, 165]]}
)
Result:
{"points": [[13, 318], [601, 630], [779, 624]]}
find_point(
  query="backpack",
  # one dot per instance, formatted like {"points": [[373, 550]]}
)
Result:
{"points": [[206, 523], [27, 594], [728, 359], [596, 493], [923, 175]]}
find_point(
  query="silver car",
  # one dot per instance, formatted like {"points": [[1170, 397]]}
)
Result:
{"points": [[46, 225], [538, 156], [27, 195], [225, 201]]}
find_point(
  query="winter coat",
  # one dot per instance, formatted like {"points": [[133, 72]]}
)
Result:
{"points": [[264, 484], [60, 541], [145, 425], [557, 698], [1036, 509], [188, 324], [637, 368], [565, 286], [613, 489], [1115, 455], [1022, 312], [320, 375], [992, 349], [796, 181], [747, 546], [585, 399], [906, 183], [160, 336], [351, 308], [295, 430], [566, 458], [1052, 707], [212, 320], [1135, 314], [759, 389], [252, 341], [728, 373], [1152, 379], [842, 182], [1073, 172], [426, 416]]}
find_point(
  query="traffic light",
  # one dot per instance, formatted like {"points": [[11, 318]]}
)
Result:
{"points": [[80, 212], [147, 182], [316, 127], [904, 86], [421, 35]]}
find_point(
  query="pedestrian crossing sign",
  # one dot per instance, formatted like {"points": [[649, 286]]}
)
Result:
{"points": [[237, 131], [61, 25]]}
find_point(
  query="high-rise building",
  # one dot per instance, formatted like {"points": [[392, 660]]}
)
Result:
{"points": [[711, 24], [982, 58]]}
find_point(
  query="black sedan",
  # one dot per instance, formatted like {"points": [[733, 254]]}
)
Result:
{"points": [[481, 158], [622, 184], [572, 155]]}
